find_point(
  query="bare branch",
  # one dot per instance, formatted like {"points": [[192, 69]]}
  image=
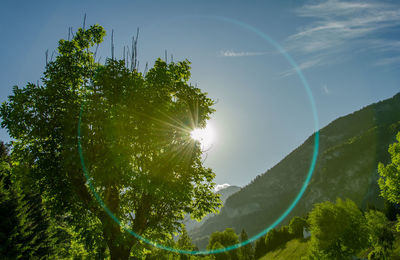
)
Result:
{"points": [[133, 53], [128, 54], [145, 69], [137, 36], [52, 54], [95, 52], [84, 22], [112, 44], [124, 56], [47, 56], [134, 63]]}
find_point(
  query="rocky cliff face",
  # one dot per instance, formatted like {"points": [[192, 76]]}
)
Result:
{"points": [[350, 149]]}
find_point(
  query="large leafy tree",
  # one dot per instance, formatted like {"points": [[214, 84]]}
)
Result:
{"points": [[224, 239], [134, 139], [338, 231], [389, 180]]}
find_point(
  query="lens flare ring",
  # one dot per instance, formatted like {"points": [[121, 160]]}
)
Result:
{"points": [[294, 202]]}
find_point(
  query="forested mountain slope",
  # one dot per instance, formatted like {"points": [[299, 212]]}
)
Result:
{"points": [[350, 149]]}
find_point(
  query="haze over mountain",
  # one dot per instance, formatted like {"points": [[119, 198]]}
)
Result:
{"points": [[350, 149]]}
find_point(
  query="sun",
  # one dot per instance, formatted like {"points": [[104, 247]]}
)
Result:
{"points": [[206, 136]]}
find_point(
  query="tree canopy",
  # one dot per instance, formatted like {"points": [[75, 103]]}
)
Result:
{"points": [[381, 235], [297, 225], [134, 136], [389, 181], [339, 231], [223, 239], [24, 224], [246, 251]]}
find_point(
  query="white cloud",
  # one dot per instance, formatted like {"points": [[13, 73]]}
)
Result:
{"points": [[231, 53], [340, 26], [221, 186]]}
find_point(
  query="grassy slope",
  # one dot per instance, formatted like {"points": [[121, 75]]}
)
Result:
{"points": [[294, 249], [297, 248]]}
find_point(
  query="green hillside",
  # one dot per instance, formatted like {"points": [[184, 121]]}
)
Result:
{"points": [[350, 149], [294, 249]]}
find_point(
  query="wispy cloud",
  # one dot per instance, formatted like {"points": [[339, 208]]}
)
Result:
{"points": [[385, 45], [388, 61], [231, 53], [302, 66], [340, 26]]}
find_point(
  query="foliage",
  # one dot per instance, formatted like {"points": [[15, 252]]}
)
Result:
{"points": [[135, 138], [391, 210], [247, 251], [260, 247], [296, 226], [8, 209], [389, 180], [338, 231], [220, 256], [185, 243], [225, 238], [380, 235], [276, 238], [24, 225]]}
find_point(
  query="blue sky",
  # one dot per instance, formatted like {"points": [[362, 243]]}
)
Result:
{"points": [[349, 52]]}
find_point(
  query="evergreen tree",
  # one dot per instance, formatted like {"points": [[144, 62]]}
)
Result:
{"points": [[24, 224], [247, 251], [260, 248], [185, 243], [34, 240], [8, 209]]}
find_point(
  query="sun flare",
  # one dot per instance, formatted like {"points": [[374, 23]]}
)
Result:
{"points": [[205, 136]]}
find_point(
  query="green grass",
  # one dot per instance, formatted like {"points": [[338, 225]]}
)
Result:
{"points": [[294, 249]]}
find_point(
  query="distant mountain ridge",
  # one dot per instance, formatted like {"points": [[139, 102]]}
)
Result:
{"points": [[350, 149]]}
